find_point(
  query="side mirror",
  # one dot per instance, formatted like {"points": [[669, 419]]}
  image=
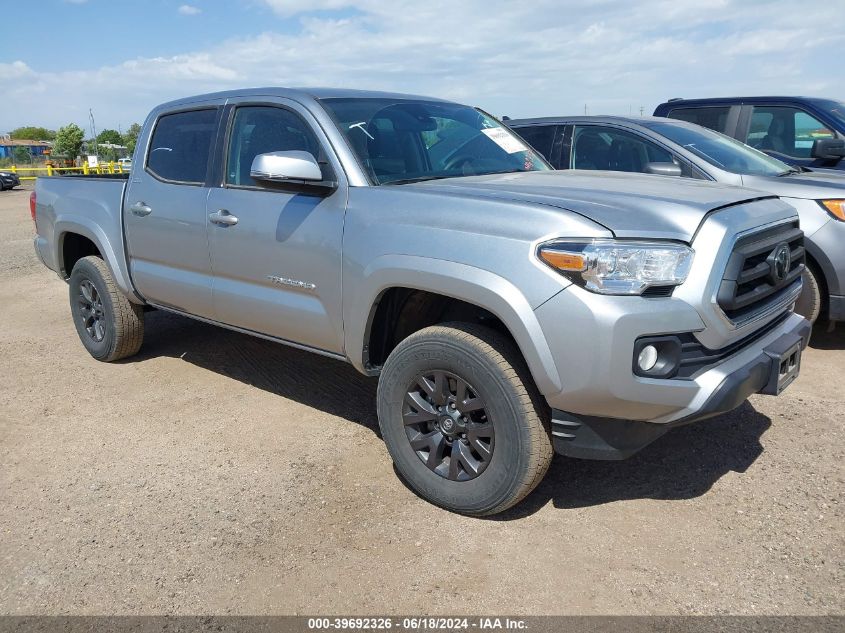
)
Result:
{"points": [[285, 166], [663, 169], [828, 148]]}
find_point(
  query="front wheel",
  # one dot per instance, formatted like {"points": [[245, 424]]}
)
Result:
{"points": [[462, 418], [109, 325]]}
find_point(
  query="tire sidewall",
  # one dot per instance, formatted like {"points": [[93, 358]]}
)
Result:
{"points": [[809, 301], [86, 270], [509, 461]]}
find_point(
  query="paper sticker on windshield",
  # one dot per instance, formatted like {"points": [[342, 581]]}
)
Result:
{"points": [[504, 140]]}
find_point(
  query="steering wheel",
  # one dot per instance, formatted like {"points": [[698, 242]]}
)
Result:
{"points": [[462, 162]]}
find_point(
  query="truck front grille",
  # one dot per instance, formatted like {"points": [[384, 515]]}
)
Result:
{"points": [[763, 269]]}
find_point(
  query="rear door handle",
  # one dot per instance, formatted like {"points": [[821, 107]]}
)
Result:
{"points": [[223, 218], [140, 209]]}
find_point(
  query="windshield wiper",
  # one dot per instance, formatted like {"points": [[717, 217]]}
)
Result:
{"points": [[790, 172], [405, 181]]}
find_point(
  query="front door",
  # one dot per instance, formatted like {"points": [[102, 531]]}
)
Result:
{"points": [[276, 256]]}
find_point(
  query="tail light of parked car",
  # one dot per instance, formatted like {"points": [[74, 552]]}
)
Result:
{"points": [[32, 205]]}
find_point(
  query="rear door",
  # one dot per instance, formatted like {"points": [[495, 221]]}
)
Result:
{"points": [[164, 212], [277, 266]]}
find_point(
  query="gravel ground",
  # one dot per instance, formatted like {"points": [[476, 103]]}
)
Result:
{"points": [[217, 473]]}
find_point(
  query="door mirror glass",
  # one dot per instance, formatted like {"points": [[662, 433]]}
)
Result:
{"points": [[284, 166], [663, 169], [828, 148]]}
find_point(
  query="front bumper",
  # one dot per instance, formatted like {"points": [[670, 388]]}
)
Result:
{"points": [[591, 437], [10, 181]]}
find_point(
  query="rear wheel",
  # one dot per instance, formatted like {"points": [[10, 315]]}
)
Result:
{"points": [[809, 303], [462, 418], [108, 324]]}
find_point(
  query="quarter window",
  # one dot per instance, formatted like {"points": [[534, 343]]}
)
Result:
{"points": [[180, 146], [262, 129]]}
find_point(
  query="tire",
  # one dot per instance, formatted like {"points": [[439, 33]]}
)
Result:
{"points": [[116, 328], [809, 303], [519, 446]]}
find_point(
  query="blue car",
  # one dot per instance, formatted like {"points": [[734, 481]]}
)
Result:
{"points": [[801, 131]]}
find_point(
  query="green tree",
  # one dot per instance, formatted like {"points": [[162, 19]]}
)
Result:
{"points": [[32, 133], [69, 140], [130, 138], [110, 136], [21, 155]]}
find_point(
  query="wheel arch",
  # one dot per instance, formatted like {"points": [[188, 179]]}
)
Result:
{"points": [[78, 233], [468, 285]]}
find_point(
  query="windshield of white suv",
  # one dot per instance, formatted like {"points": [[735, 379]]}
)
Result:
{"points": [[405, 140], [721, 151]]}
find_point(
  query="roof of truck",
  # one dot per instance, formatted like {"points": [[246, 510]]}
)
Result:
{"points": [[296, 93]]}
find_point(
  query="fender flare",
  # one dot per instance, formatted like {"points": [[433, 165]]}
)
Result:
{"points": [[460, 281], [65, 224]]}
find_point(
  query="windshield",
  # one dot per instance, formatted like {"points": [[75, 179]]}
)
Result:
{"points": [[404, 140], [836, 109], [721, 151]]}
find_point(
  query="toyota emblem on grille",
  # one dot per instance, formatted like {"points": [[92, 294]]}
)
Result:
{"points": [[779, 262]]}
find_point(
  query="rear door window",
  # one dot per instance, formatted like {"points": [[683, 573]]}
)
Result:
{"points": [[540, 137], [714, 117], [785, 130], [180, 146]]}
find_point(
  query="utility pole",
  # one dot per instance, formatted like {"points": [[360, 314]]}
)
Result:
{"points": [[93, 131], [641, 110], [585, 109]]}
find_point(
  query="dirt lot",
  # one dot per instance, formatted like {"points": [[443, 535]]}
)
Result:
{"points": [[216, 473]]}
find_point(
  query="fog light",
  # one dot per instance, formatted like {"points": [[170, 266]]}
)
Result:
{"points": [[647, 358]]}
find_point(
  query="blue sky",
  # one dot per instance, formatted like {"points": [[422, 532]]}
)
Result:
{"points": [[545, 57]]}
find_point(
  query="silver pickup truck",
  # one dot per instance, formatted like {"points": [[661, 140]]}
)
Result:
{"points": [[509, 310]]}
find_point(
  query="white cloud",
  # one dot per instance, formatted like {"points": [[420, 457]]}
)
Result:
{"points": [[189, 9], [521, 59]]}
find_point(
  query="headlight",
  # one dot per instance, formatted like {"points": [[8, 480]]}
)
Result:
{"points": [[836, 208], [619, 268]]}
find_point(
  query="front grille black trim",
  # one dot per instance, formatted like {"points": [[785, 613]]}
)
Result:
{"points": [[748, 288], [696, 358]]}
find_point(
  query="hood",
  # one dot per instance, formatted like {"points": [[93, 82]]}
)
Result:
{"points": [[629, 205], [811, 185]]}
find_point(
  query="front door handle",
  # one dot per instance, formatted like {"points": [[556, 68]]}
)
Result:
{"points": [[223, 218], [140, 209]]}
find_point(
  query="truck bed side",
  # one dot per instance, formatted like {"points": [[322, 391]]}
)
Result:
{"points": [[79, 216]]}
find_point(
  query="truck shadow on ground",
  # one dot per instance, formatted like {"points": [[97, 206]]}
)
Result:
{"points": [[322, 383], [683, 464]]}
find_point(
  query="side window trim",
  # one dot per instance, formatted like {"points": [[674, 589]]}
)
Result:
{"points": [[211, 149], [228, 129]]}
